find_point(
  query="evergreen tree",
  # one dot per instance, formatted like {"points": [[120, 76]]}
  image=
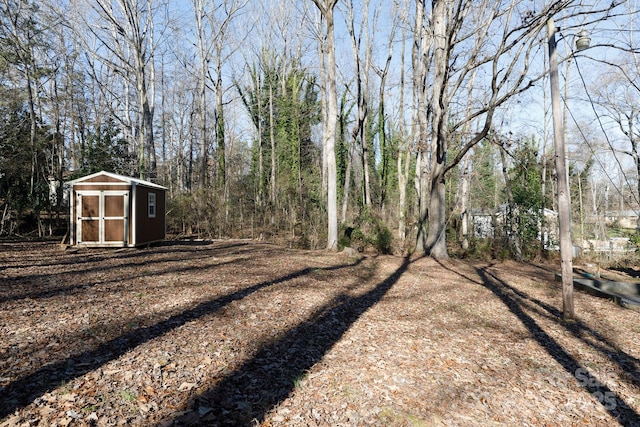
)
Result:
{"points": [[484, 192], [526, 186], [18, 193], [106, 149]]}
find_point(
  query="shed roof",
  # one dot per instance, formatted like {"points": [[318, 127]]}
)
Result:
{"points": [[116, 177]]}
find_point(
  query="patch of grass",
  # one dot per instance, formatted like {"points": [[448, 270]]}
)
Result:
{"points": [[127, 395], [90, 408], [390, 416], [106, 399], [297, 380], [591, 365], [536, 285], [93, 331], [65, 387], [132, 325]]}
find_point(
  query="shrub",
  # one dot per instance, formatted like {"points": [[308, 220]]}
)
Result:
{"points": [[383, 239]]}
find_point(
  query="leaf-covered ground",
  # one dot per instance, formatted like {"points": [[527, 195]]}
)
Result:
{"points": [[242, 333]]}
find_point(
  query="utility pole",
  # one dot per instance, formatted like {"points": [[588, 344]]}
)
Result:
{"points": [[564, 198]]}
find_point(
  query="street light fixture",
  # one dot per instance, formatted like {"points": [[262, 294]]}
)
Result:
{"points": [[583, 40], [564, 198]]}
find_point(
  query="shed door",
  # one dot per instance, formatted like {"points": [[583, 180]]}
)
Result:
{"points": [[103, 217]]}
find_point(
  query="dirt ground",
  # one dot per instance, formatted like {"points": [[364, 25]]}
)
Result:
{"points": [[245, 333]]}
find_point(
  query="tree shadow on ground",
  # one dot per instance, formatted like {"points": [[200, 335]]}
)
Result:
{"points": [[22, 286], [518, 302], [244, 397], [89, 256], [580, 330], [24, 390]]}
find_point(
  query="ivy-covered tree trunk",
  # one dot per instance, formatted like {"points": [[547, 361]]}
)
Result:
{"points": [[272, 140], [221, 133], [385, 146]]}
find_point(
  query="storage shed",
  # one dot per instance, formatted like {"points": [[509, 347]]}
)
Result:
{"points": [[110, 210]]}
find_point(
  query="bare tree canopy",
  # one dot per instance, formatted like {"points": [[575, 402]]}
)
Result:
{"points": [[263, 117]]}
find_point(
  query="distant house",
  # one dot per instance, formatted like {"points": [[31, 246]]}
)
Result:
{"points": [[110, 210], [485, 221], [623, 219], [482, 221]]}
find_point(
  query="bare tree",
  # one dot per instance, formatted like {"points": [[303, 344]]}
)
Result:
{"points": [[499, 39], [204, 56], [404, 153], [362, 69], [215, 46], [618, 98], [330, 114], [124, 31], [383, 73], [421, 58]]}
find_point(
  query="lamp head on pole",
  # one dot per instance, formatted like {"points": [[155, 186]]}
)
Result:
{"points": [[583, 40]]}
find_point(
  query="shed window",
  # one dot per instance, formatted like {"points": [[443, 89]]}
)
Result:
{"points": [[151, 205]]}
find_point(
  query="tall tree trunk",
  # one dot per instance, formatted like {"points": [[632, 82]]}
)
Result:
{"points": [[465, 177], [329, 138], [436, 245], [636, 159], [362, 82], [198, 6], [261, 189], [221, 131], [272, 140], [32, 133], [322, 48], [403, 172], [166, 168], [149, 142], [382, 136], [347, 182], [421, 60], [146, 89], [261, 201]]}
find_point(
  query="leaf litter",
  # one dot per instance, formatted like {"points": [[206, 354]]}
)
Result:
{"points": [[246, 333]]}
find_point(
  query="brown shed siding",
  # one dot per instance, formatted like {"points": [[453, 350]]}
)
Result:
{"points": [[109, 187], [149, 229], [103, 178]]}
